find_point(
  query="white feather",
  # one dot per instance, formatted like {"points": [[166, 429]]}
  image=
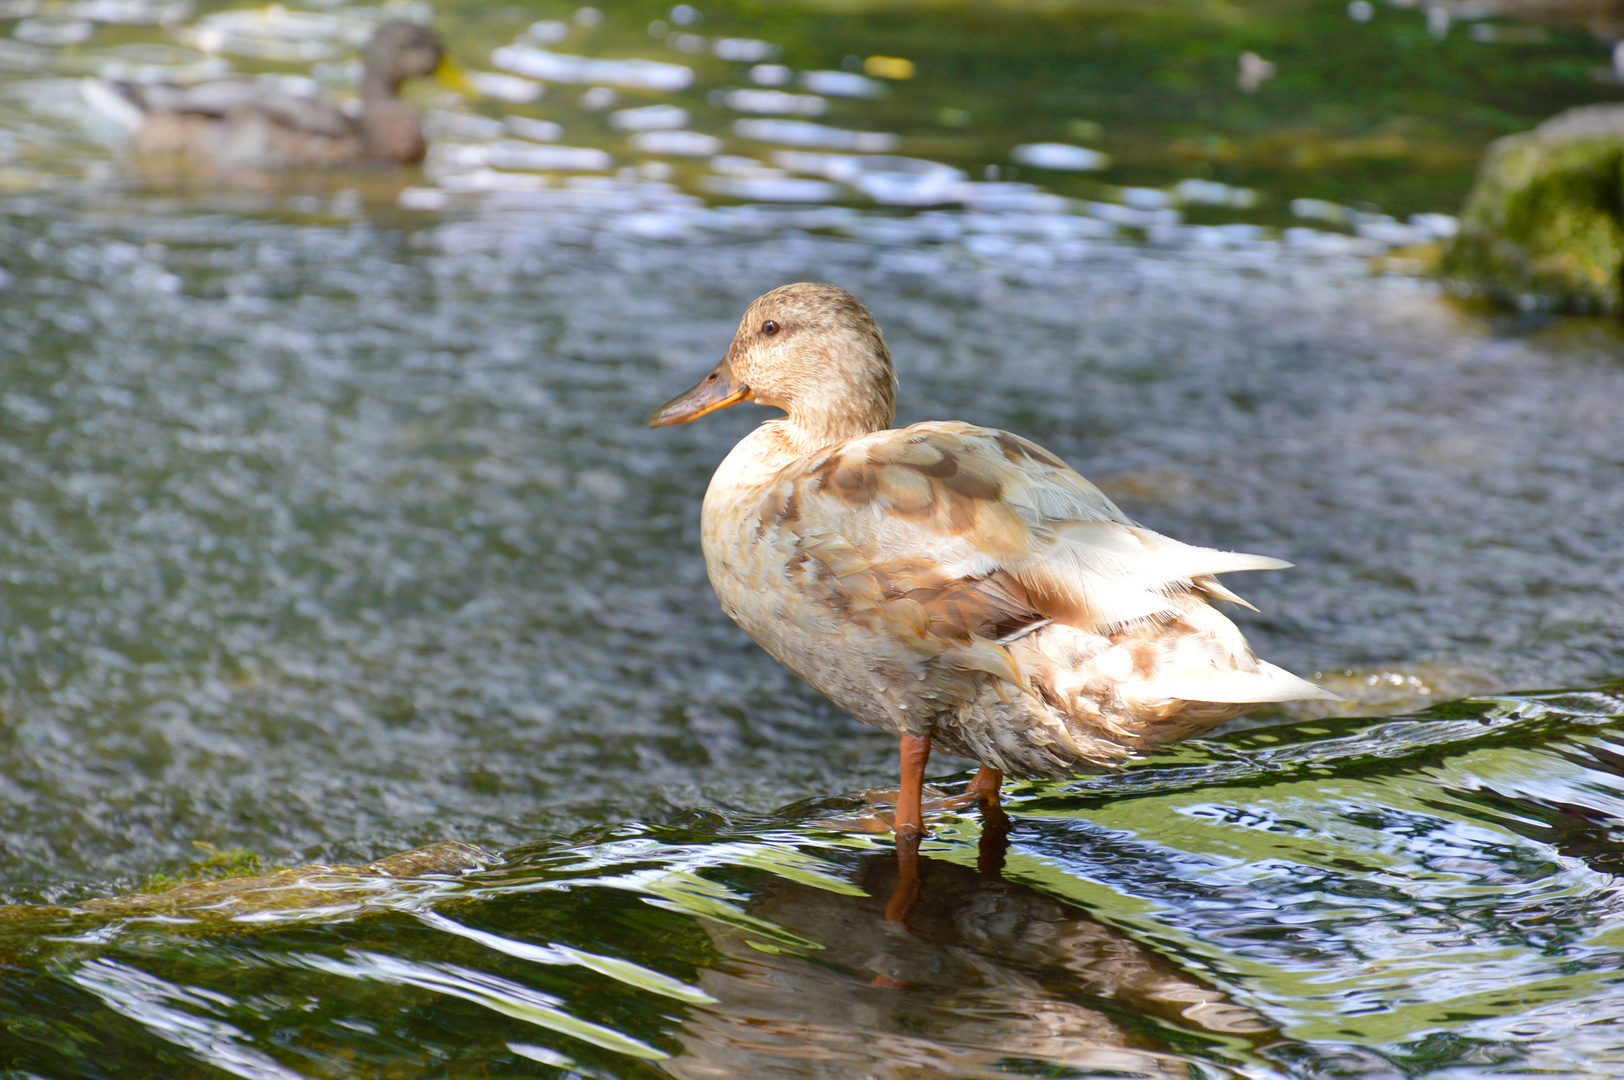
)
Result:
{"points": [[1268, 683]]}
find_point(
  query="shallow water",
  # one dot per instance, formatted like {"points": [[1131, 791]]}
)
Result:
{"points": [[331, 529], [1435, 895], [1128, 118], [330, 542]]}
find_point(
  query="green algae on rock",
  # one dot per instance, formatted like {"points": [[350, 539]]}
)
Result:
{"points": [[1543, 226], [327, 891]]}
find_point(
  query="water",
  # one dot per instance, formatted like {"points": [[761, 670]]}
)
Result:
{"points": [[1137, 115], [332, 530], [1430, 896]]}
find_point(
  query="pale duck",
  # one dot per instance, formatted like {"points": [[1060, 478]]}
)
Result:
{"points": [[951, 584]]}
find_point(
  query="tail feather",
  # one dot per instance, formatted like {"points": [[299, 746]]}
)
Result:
{"points": [[1152, 673], [1137, 557], [1266, 685], [1210, 586]]}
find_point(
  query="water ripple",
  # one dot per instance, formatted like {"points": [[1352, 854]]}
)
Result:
{"points": [[1401, 908]]}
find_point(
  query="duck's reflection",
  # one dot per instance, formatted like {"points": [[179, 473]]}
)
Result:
{"points": [[986, 978], [993, 846]]}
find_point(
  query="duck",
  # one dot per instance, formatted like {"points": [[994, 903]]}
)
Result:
{"points": [[242, 124], [957, 586]]}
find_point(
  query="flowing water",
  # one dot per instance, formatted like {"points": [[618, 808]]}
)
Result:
{"points": [[330, 529]]}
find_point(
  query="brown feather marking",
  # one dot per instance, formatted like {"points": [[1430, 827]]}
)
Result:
{"points": [[971, 483], [1047, 693], [854, 485], [1145, 655], [962, 517], [905, 491], [903, 578], [960, 609], [1053, 600], [945, 466], [833, 591], [908, 616], [913, 453], [1018, 450], [819, 474], [947, 486], [772, 510], [837, 553], [791, 511]]}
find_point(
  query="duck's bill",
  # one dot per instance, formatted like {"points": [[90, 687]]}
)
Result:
{"points": [[454, 78], [715, 391]]}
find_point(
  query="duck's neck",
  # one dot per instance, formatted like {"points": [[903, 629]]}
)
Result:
{"points": [[378, 85], [810, 430]]}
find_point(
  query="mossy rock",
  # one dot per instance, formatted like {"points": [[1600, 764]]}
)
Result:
{"points": [[232, 888], [1544, 225]]}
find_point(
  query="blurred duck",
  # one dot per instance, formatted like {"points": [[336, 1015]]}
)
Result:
{"points": [[954, 585], [245, 124]]}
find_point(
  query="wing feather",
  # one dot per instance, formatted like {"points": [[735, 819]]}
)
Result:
{"points": [[960, 503], [961, 539]]}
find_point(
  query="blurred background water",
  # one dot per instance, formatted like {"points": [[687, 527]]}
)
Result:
{"points": [[331, 529]]}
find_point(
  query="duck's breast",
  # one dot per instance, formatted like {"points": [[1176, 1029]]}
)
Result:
{"points": [[771, 558]]}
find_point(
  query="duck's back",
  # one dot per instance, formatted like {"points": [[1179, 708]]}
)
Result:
{"points": [[962, 582], [239, 123]]}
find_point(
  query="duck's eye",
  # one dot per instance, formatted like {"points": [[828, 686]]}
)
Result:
{"points": [[769, 328]]}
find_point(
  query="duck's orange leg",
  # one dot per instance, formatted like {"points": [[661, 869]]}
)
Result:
{"points": [[911, 793], [910, 826], [984, 788]]}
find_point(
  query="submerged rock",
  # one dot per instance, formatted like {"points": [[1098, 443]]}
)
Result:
{"points": [[320, 890], [1544, 225]]}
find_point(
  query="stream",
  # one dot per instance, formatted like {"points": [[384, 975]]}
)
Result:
{"points": [[340, 576]]}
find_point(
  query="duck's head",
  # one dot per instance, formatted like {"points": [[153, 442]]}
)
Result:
{"points": [[813, 351], [399, 51]]}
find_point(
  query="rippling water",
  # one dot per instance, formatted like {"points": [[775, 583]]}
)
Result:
{"points": [[1177, 120], [330, 528], [326, 542], [1434, 895], [332, 541]]}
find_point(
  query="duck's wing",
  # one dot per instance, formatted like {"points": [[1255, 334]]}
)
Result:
{"points": [[962, 540], [224, 98]]}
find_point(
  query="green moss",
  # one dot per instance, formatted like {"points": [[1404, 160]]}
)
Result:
{"points": [[237, 883], [220, 865], [1544, 223]]}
